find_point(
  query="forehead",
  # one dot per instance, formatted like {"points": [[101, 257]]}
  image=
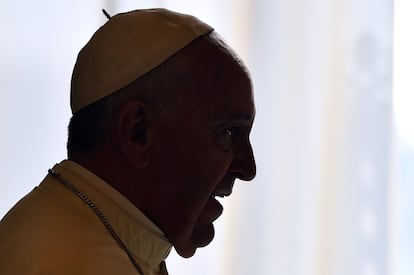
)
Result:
{"points": [[220, 83]]}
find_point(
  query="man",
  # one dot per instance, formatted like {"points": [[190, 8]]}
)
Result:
{"points": [[162, 111]]}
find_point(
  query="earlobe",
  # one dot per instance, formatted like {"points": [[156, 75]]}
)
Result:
{"points": [[133, 134]]}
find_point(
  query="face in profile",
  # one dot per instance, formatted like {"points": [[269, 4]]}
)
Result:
{"points": [[205, 147]]}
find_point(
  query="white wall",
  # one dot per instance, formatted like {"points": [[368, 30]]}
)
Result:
{"points": [[323, 200]]}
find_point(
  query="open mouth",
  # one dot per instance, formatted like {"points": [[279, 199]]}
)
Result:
{"points": [[215, 206], [217, 195], [220, 194]]}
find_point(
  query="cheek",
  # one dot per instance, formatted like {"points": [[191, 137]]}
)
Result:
{"points": [[212, 165], [203, 174], [195, 162]]}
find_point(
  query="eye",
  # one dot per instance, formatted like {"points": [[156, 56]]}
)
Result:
{"points": [[227, 137], [232, 131]]}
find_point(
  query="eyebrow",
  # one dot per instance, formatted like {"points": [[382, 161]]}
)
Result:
{"points": [[242, 117], [239, 118]]}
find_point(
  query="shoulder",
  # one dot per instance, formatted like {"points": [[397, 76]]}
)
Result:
{"points": [[49, 232]]}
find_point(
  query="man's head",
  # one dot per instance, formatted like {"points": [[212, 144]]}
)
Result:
{"points": [[174, 138]]}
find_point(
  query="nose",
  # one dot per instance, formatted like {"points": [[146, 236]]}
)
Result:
{"points": [[244, 165]]}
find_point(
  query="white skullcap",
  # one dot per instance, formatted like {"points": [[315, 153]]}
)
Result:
{"points": [[126, 47]]}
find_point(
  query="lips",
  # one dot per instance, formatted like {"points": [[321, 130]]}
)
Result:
{"points": [[204, 231], [213, 209], [225, 187], [221, 193]]}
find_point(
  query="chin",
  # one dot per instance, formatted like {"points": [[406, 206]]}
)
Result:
{"points": [[185, 253], [187, 244], [199, 239]]}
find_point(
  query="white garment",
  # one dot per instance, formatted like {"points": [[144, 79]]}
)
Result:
{"points": [[52, 231]]}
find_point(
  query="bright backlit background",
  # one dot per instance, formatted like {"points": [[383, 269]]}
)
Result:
{"points": [[333, 137]]}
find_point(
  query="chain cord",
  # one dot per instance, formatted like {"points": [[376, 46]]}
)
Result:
{"points": [[98, 213]]}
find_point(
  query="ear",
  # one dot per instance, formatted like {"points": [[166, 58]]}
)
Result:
{"points": [[132, 131]]}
